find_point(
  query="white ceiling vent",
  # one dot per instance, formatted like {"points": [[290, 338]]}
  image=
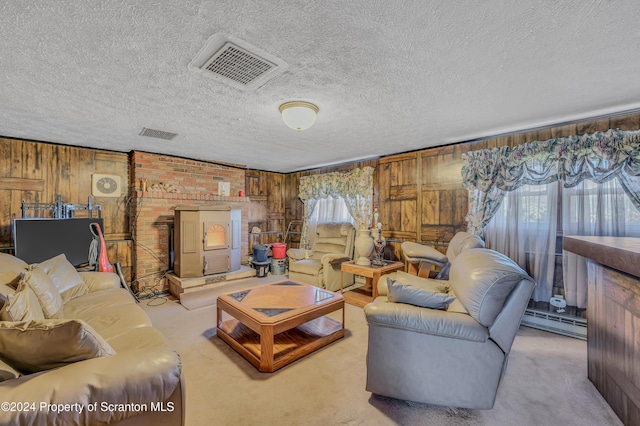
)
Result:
{"points": [[236, 63], [159, 134]]}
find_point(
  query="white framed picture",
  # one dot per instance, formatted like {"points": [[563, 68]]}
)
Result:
{"points": [[224, 188]]}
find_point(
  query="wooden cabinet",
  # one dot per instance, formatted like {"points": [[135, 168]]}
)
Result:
{"points": [[207, 240], [613, 318], [613, 315]]}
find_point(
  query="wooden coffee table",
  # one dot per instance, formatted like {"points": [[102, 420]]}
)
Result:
{"points": [[276, 324]]}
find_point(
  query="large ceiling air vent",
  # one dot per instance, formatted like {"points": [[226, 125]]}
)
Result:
{"points": [[158, 134], [236, 63]]}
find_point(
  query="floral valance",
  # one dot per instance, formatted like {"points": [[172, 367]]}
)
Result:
{"points": [[358, 182], [599, 157]]}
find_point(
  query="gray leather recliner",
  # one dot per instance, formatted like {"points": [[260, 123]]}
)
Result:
{"points": [[454, 357], [420, 258]]}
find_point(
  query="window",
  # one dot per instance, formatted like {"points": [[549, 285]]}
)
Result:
{"points": [[524, 228], [328, 210], [599, 209], [531, 220]]}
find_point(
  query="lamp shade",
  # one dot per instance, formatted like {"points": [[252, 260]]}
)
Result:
{"points": [[298, 115]]}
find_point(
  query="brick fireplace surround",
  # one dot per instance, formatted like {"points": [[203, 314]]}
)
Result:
{"points": [[152, 212]]}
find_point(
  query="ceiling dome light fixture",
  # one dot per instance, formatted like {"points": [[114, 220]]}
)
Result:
{"points": [[298, 115]]}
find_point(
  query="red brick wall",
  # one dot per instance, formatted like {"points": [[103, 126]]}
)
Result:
{"points": [[195, 183]]}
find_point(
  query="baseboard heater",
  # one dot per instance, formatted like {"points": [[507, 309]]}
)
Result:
{"points": [[559, 324]]}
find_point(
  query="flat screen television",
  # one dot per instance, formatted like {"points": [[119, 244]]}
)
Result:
{"points": [[36, 240]]}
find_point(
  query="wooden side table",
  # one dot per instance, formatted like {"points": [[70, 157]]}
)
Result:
{"points": [[371, 273]]}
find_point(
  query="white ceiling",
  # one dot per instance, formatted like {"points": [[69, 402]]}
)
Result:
{"points": [[388, 76]]}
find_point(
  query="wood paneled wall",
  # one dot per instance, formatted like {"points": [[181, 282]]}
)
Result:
{"points": [[420, 195], [38, 172], [266, 192]]}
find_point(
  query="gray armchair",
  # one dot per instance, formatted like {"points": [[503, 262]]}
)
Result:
{"points": [[320, 266], [420, 257], [454, 357]]}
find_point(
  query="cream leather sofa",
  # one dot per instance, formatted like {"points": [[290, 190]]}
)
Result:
{"points": [[333, 244], [93, 359], [454, 356]]}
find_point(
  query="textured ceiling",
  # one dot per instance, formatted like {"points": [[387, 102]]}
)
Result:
{"points": [[388, 76]]}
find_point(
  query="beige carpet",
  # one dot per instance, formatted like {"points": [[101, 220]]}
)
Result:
{"points": [[200, 299], [545, 384]]}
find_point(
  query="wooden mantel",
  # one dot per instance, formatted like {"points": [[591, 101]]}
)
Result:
{"points": [[613, 316]]}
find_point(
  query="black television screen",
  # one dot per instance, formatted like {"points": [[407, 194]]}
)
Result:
{"points": [[36, 240]]}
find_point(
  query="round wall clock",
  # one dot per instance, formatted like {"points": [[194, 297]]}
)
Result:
{"points": [[106, 185]]}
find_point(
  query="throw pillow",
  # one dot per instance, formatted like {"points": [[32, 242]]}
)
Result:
{"points": [[7, 372], [22, 305], [62, 273], [46, 291], [413, 295], [34, 346], [10, 269], [425, 283], [403, 277], [6, 290]]}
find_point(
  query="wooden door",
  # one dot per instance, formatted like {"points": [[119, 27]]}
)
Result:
{"points": [[397, 201]]}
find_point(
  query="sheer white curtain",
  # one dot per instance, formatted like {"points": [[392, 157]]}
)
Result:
{"points": [[524, 228], [593, 209], [328, 209]]}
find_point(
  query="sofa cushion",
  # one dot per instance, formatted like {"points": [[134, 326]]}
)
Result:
{"points": [[96, 302], [22, 305], [77, 291], [410, 294], [34, 346], [141, 338], [98, 281], [10, 269], [62, 272], [119, 320], [46, 291], [109, 312], [482, 279]]}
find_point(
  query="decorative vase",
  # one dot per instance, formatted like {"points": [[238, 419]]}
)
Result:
{"points": [[364, 247]]}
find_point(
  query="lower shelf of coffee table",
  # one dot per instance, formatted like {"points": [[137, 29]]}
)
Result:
{"points": [[288, 346]]}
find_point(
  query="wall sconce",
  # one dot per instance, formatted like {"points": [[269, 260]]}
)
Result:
{"points": [[298, 115]]}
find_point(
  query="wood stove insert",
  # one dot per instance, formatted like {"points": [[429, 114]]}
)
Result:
{"points": [[207, 240]]}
